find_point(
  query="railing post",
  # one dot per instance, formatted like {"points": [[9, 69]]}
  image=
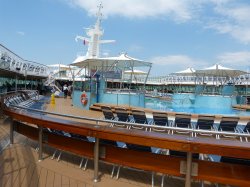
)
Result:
{"points": [[40, 153], [11, 131], [96, 160], [1, 106], [189, 170]]}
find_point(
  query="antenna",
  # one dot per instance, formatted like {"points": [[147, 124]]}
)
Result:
{"points": [[95, 33], [99, 15]]}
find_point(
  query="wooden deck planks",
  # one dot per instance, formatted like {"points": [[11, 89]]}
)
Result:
{"points": [[35, 176], [50, 178], [26, 181], [57, 180], [22, 173], [65, 180], [13, 171], [72, 183], [43, 177]]}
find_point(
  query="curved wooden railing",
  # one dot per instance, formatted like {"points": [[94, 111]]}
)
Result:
{"points": [[226, 173]]}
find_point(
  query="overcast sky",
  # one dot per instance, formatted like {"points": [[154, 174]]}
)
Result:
{"points": [[173, 35]]}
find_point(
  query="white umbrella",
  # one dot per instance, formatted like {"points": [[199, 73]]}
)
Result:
{"points": [[187, 72], [220, 71], [122, 61]]}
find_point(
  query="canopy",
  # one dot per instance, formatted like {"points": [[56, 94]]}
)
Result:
{"points": [[218, 70], [61, 66], [136, 72], [186, 72], [122, 61]]}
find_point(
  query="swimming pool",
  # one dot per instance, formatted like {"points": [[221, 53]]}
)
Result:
{"points": [[39, 105], [198, 104]]}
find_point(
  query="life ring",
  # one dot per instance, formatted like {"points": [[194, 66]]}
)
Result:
{"points": [[84, 99]]}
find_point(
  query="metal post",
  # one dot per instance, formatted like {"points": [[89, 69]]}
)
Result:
{"points": [[188, 171], [40, 154], [1, 107], [11, 131], [96, 160], [16, 84]]}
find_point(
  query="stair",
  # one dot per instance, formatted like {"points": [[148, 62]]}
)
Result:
{"points": [[52, 83]]}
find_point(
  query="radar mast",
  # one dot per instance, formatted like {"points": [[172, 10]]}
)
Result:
{"points": [[94, 37]]}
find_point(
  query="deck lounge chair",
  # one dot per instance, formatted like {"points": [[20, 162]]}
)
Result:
{"points": [[228, 124], [182, 121], [108, 114], [182, 154], [139, 116], [160, 119], [246, 130], [232, 160], [205, 122], [122, 115]]}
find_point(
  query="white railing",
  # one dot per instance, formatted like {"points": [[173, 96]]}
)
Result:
{"points": [[173, 79]]}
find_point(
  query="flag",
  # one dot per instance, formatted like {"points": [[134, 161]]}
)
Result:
{"points": [[85, 42]]}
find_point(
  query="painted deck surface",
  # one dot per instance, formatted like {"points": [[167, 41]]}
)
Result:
{"points": [[19, 164], [64, 106]]}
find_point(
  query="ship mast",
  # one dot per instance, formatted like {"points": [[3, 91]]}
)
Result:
{"points": [[94, 37]]}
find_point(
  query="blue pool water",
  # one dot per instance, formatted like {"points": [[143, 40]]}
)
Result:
{"points": [[198, 104], [40, 104], [189, 103]]}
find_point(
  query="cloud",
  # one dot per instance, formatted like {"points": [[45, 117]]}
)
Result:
{"points": [[21, 33], [163, 65], [224, 16], [235, 59], [135, 48], [180, 11], [233, 19], [172, 63], [181, 60]]}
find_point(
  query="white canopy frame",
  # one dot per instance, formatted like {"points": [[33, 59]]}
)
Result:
{"points": [[218, 70], [120, 63]]}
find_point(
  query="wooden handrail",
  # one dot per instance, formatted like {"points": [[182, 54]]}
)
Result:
{"points": [[154, 139], [216, 172]]}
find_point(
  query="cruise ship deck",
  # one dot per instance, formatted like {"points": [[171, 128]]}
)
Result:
{"points": [[20, 166]]}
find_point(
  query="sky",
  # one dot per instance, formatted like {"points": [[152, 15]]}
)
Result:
{"points": [[173, 35]]}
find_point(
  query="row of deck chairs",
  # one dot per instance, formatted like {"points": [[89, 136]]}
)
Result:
{"points": [[204, 122], [21, 99], [122, 115]]}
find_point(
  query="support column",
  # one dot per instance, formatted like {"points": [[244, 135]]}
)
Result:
{"points": [[1, 107], [96, 160], [40, 153], [189, 170], [16, 84]]}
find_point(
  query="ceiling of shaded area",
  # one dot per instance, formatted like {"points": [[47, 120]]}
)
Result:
{"points": [[11, 74]]}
